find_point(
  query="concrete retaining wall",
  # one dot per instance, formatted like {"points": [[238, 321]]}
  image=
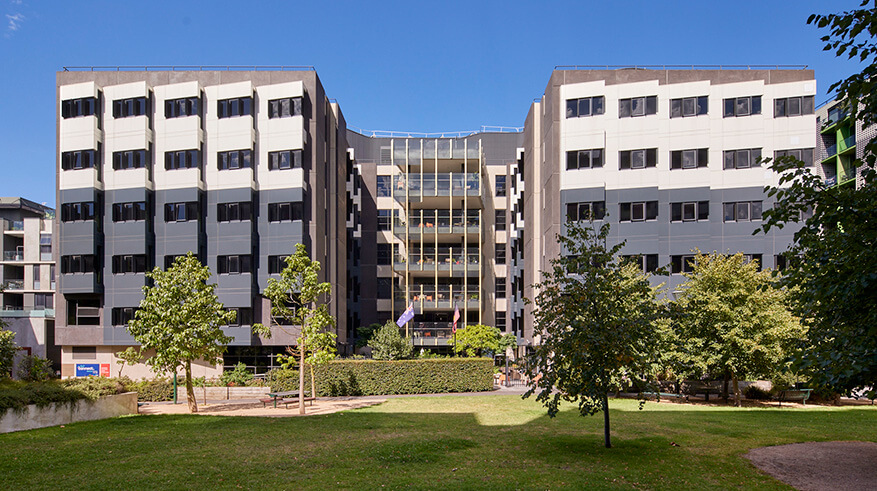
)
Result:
{"points": [[215, 393], [59, 414]]}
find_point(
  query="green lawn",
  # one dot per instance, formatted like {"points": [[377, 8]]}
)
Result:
{"points": [[489, 442]]}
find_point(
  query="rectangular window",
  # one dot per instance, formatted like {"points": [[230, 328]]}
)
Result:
{"points": [[235, 264], [586, 106], [44, 301], [133, 263], [234, 212], [75, 108], [126, 108], [742, 211], [276, 263], [385, 288], [500, 254], [284, 159], [77, 212], [501, 320], [637, 106], [243, 316], [180, 108], [284, 108], [182, 159], [170, 259], [584, 159], [792, 106], [85, 263], [238, 106], [742, 106], [84, 352], [757, 258], [286, 212], [689, 106], [385, 219], [742, 159], [638, 212], [594, 210], [130, 212], [181, 212], [500, 287], [690, 211], [80, 159], [638, 159], [689, 159], [131, 159], [500, 220], [681, 264], [802, 154], [385, 185], [500, 186], [234, 159], [385, 254], [647, 263]]}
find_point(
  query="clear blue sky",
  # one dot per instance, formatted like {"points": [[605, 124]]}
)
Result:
{"points": [[413, 66]]}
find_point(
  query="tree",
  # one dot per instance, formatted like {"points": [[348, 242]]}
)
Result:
{"points": [[387, 343], [298, 298], [181, 318], [834, 254], [595, 316], [731, 318], [508, 340], [8, 348], [131, 356], [475, 339], [35, 368], [364, 334]]}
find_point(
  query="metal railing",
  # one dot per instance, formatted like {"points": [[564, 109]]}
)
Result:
{"points": [[188, 68], [681, 67], [13, 256], [435, 134], [17, 225], [14, 285]]}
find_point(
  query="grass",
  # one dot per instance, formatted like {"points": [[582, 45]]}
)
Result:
{"points": [[481, 442]]}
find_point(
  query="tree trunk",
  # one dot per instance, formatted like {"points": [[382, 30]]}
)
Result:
{"points": [[301, 380], [313, 382], [190, 391], [725, 379], [606, 420], [736, 391]]}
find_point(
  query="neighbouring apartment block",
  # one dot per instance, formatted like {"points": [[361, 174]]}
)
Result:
{"points": [[238, 166]]}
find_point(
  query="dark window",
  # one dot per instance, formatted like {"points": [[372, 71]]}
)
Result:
{"points": [[595, 210], [234, 212], [780, 262], [181, 212], [284, 108], [385, 288], [742, 159], [500, 220], [77, 212], [757, 258], [803, 154], [276, 264], [584, 159], [122, 315], [238, 106], [182, 159], [647, 263], [586, 106], [690, 211], [637, 106], [385, 254], [500, 186], [500, 287], [84, 312], [689, 106], [85, 263], [75, 108], [284, 159], [742, 106], [500, 253], [236, 264], [130, 212], [179, 108], [126, 108], [234, 159], [385, 219], [638, 159], [80, 159], [385, 186], [638, 212], [243, 316], [681, 264], [742, 211], [131, 159], [689, 159], [285, 212], [170, 259], [792, 106], [134, 263]]}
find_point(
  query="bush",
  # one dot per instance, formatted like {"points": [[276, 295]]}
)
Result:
{"points": [[35, 368], [95, 387], [155, 390], [18, 395], [756, 393], [237, 377], [370, 377]]}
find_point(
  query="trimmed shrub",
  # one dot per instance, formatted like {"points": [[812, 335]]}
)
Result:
{"points": [[155, 390], [370, 377], [756, 393], [35, 368], [95, 387], [18, 395]]}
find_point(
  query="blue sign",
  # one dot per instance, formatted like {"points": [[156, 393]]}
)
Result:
{"points": [[88, 370]]}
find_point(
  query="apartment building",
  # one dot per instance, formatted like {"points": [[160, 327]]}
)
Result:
{"points": [[841, 142], [27, 273], [240, 165]]}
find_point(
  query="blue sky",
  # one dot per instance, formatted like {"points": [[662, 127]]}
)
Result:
{"points": [[412, 66]]}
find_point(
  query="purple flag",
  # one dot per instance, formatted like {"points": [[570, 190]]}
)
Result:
{"points": [[406, 316]]}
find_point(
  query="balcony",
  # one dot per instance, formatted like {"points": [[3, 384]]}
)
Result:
{"points": [[436, 185], [450, 259], [847, 144], [431, 333], [16, 226], [12, 285], [438, 222], [13, 256], [413, 151], [438, 297]]}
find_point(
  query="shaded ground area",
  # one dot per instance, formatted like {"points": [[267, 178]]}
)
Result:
{"points": [[326, 405], [820, 465]]}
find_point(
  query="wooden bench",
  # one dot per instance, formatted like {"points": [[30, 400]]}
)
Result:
{"points": [[287, 402], [667, 395], [793, 395]]}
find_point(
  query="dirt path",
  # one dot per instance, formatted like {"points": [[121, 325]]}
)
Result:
{"points": [[255, 408], [820, 466]]}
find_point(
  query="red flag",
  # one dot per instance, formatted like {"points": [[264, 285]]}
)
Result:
{"points": [[456, 318]]}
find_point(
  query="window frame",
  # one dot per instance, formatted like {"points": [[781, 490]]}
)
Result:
{"points": [[752, 102], [595, 108]]}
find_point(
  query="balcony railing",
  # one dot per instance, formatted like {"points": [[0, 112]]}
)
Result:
{"points": [[451, 259], [440, 296], [444, 184], [420, 150], [16, 225], [439, 222], [14, 284], [13, 256], [846, 144]]}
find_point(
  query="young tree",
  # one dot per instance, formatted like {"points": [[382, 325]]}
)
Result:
{"points": [[181, 318], [298, 298], [131, 356], [596, 319], [834, 254], [731, 318], [475, 339], [8, 348], [387, 343], [365, 333], [508, 340]]}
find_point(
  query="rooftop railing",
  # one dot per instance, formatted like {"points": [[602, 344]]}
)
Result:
{"points": [[681, 67], [188, 68]]}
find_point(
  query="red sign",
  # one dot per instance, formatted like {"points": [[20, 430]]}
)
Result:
{"points": [[104, 369]]}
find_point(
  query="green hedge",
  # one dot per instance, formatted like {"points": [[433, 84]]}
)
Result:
{"points": [[18, 395], [159, 389], [371, 377]]}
